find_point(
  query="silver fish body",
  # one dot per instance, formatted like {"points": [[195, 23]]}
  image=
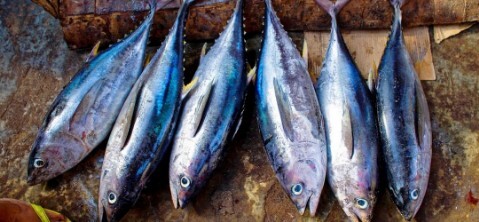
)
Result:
{"points": [[83, 114], [351, 130], [209, 113], [404, 123], [289, 117], [145, 126]]}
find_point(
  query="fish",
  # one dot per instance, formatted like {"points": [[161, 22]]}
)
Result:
{"points": [[289, 116], [349, 114], [404, 122], [210, 112], [143, 131], [83, 114]]}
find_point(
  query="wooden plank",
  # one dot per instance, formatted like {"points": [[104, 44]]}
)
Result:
{"points": [[367, 47], [442, 32], [208, 17]]}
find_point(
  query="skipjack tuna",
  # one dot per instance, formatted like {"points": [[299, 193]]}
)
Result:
{"points": [[350, 125], [404, 123], [82, 115], [289, 117], [145, 126], [210, 112]]}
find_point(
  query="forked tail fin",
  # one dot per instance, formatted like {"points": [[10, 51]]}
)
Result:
{"points": [[334, 8], [398, 3]]}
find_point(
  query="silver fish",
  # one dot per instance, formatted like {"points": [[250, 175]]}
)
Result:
{"points": [[209, 113], [404, 123], [351, 125], [83, 114], [145, 126], [289, 117]]}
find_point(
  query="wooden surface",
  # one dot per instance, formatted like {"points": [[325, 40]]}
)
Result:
{"points": [[84, 22], [367, 47]]}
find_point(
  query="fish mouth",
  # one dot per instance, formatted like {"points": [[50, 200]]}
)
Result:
{"points": [[174, 197], [407, 215], [311, 203], [103, 215], [31, 180]]}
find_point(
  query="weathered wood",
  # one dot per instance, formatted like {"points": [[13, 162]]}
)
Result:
{"points": [[442, 32], [84, 21], [367, 47]]}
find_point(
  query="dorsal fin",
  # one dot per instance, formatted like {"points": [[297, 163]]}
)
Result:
{"points": [[203, 51], [189, 87], [94, 52], [372, 76], [305, 53], [284, 110]]}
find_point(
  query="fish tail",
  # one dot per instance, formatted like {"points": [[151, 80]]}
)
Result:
{"points": [[156, 5], [332, 8], [398, 3], [189, 1], [268, 4], [239, 6]]}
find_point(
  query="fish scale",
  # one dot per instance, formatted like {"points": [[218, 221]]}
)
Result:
{"points": [[289, 116], [145, 126], [210, 112], [351, 125], [404, 122], [84, 112]]}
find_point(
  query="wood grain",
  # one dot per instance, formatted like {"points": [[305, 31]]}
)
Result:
{"points": [[367, 47], [208, 17]]}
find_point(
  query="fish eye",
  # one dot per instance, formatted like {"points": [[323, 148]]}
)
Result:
{"points": [[38, 163], [297, 189], [185, 182], [415, 194], [111, 198], [362, 203]]}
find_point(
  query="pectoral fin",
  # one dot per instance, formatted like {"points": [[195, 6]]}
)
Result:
{"points": [[203, 105], [83, 109], [347, 130], [123, 128], [422, 119], [284, 110]]}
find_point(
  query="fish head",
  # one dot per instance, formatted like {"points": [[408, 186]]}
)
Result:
{"points": [[408, 200], [52, 156], [189, 171], [115, 198], [303, 182], [358, 200], [358, 204]]}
